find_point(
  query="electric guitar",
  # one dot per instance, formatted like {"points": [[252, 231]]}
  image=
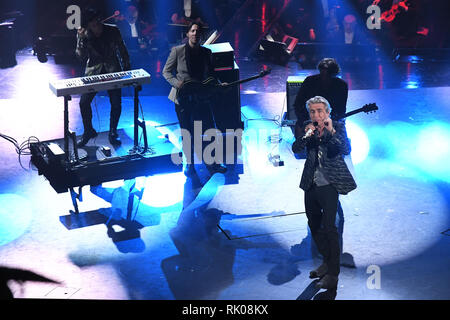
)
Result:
{"points": [[193, 89], [367, 108]]}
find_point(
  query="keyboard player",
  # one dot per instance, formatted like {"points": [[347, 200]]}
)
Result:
{"points": [[104, 48]]}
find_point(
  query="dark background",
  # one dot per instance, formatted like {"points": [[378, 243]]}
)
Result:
{"points": [[48, 17]]}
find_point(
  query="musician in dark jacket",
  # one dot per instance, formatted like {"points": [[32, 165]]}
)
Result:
{"points": [[325, 84], [190, 62], [103, 46], [324, 177]]}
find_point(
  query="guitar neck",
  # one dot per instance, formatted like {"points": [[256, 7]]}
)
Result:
{"points": [[348, 114], [243, 81]]}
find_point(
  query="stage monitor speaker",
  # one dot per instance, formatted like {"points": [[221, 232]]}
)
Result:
{"points": [[227, 110], [222, 55], [8, 45], [293, 84]]}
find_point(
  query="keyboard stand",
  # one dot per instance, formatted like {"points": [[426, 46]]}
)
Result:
{"points": [[68, 134], [138, 123]]}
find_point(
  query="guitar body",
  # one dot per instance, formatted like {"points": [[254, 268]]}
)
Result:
{"points": [[193, 89]]}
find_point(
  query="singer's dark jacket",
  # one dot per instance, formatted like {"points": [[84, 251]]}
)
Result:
{"points": [[105, 54], [334, 167]]}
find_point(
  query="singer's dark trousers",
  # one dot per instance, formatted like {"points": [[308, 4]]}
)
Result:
{"points": [[115, 98], [321, 205]]}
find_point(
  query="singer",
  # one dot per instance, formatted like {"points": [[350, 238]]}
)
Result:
{"points": [[325, 176], [103, 46]]}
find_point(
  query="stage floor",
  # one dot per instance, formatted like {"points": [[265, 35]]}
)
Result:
{"points": [[242, 238]]}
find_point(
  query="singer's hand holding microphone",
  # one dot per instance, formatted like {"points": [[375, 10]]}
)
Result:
{"points": [[310, 129], [316, 129]]}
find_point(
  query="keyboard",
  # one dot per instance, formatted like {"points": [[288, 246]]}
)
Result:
{"points": [[101, 82]]}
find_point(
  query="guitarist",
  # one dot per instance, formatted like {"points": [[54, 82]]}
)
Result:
{"points": [[325, 84], [324, 177], [188, 62]]}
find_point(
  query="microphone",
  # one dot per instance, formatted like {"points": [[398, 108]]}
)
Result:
{"points": [[307, 134], [310, 131]]}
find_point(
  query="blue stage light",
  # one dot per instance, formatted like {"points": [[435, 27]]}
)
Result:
{"points": [[359, 142], [422, 150], [412, 85], [15, 216], [433, 150], [163, 190]]}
